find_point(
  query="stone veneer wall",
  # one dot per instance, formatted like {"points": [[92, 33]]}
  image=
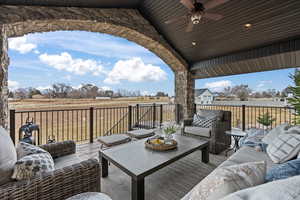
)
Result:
{"points": [[127, 23], [4, 62], [184, 93]]}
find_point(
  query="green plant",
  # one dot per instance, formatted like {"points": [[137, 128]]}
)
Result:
{"points": [[295, 99], [170, 128], [265, 119]]}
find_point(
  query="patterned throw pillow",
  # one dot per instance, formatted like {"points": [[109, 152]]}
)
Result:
{"points": [[226, 180], [24, 149], [284, 147], [33, 165], [272, 134], [204, 122], [285, 170]]}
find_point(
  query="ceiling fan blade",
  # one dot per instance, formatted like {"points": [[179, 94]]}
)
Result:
{"points": [[175, 19], [213, 16], [188, 3], [189, 27], [214, 3]]}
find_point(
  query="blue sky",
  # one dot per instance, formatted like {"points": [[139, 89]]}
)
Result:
{"points": [[76, 57]]}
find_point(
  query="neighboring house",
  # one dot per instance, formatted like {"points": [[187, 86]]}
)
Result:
{"points": [[204, 96]]}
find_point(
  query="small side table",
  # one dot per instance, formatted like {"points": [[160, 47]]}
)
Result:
{"points": [[90, 196], [236, 134]]}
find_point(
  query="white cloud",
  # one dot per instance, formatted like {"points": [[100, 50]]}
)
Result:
{"points": [[68, 77], [134, 70], [13, 85], [65, 62], [218, 86], [263, 84], [21, 45], [36, 51]]}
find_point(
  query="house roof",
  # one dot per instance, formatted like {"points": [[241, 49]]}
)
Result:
{"points": [[198, 92], [223, 47]]}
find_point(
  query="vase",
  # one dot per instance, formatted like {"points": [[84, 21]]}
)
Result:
{"points": [[168, 138]]}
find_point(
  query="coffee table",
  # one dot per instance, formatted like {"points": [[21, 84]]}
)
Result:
{"points": [[138, 162]]}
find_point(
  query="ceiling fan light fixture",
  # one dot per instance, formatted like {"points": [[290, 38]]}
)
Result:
{"points": [[194, 43], [248, 25], [196, 17]]}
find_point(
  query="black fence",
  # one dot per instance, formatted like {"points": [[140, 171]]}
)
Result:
{"points": [[245, 117], [82, 125]]}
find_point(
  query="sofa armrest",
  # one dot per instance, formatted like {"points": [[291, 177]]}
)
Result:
{"points": [[59, 184], [59, 149]]}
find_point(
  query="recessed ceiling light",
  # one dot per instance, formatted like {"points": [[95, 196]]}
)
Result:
{"points": [[248, 25], [194, 43]]}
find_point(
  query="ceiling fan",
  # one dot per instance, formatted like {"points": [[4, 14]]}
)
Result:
{"points": [[197, 11]]}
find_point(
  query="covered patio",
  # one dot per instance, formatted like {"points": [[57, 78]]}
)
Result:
{"points": [[248, 37]]}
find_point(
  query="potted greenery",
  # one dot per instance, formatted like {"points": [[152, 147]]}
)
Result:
{"points": [[169, 128], [265, 119]]}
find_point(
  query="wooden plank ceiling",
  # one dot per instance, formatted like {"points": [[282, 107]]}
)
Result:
{"points": [[273, 22]]}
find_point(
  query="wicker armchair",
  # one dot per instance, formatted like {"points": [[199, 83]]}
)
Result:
{"points": [[59, 184], [215, 134]]}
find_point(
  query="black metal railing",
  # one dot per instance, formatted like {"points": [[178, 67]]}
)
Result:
{"points": [[245, 117], [86, 124]]}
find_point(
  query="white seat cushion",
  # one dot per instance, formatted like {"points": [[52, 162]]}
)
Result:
{"points": [[286, 189], [8, 156], [199, 131]]}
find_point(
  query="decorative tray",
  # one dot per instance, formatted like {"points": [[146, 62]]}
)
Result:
{"points": [[159, 144]]}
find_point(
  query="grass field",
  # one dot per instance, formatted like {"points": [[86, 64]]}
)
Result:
{"points": [[67, 119]]}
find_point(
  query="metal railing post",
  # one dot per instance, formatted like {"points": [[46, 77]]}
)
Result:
{"points": [[137, 115], [177, 113], [243, 117], [91, 124], [12, 125], [154, 115], [161, 115], [129, 118]]}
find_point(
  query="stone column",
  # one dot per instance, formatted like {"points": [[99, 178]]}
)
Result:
{"points": [[4, 62], [184, 93]]}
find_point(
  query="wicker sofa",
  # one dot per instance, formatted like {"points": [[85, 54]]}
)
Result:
{"points": [[71, 177], [215, 133]]}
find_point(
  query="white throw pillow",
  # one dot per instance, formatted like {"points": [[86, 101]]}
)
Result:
{"points": [[286, 189], [284, 147], [272, 134], [8, 156], [226, 180]]}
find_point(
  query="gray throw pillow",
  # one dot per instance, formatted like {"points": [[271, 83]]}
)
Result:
{"points": [[272, 134], [8, 156], [284, 147]]}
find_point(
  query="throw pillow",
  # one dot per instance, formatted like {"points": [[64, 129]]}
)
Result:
{"points": [[226, 180], [204, 122], [24, 149], [285, 170], [284, 147], [294, 130], [286, 189], [272, 134], [8, 156], [33, 165]]}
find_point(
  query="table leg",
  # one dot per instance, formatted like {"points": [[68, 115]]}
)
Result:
{"points": [[205, 154], [137, 189], [104, 165]]}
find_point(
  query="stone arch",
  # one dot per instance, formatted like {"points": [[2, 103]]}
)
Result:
{"points": [[127, 23]]}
